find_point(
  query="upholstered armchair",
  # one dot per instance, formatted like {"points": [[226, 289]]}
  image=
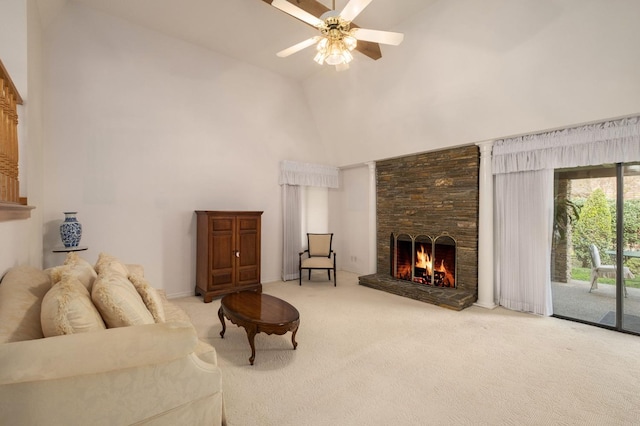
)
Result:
{"points": [[318, 255]]}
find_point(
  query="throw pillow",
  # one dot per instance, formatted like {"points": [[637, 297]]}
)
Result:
{"points": [[118, 301], [106, 262], [150, 297], [67, 309], [78, 267]]}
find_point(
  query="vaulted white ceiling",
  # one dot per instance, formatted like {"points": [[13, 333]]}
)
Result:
{"points": [[248, 30]]}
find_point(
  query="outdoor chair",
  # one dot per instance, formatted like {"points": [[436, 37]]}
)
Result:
{"points": [[318, 256], [606, 271]]}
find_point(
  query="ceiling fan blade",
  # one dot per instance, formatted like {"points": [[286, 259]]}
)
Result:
{"points": [[353, 9], [296, 12], [384, 37], [298, 47]]}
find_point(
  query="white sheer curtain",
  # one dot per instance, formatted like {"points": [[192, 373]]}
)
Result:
{"points": [[291, 231], [524, 168], [292, 176], [524, 222]]}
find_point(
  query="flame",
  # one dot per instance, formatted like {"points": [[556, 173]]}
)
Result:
{"points": [[449, 281], [424, 261], [404, 272]]}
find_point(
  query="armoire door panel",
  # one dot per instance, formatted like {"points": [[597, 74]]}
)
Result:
{"points": [[248, 249], [220, 278], [222, 224], [248, 275], [222, 251]]}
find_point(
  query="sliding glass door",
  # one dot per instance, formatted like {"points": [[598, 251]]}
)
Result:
{"points": [[595, 263], [628, 253]]}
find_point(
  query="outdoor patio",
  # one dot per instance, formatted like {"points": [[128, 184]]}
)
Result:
{"points": [[573, 300]]}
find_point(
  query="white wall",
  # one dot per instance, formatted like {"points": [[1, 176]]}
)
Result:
{"points": [[143, 129], [349, 220], [20, 52], [315, 211], [470, 71]]}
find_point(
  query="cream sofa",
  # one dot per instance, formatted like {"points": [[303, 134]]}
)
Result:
{"points": [[156, 373]]}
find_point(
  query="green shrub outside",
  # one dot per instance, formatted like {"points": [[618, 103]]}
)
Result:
{"points": [[592, 227], [631, 215]]}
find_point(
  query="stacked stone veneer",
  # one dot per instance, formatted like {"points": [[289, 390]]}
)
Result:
{"points": [[560, 253], [430, 194]]}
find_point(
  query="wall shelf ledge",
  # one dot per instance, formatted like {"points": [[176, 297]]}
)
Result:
{"points": [[14, 211]]}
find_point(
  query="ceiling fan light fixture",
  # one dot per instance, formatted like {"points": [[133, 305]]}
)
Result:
{"points": [[337, 39], [333, 52], [319, 58], [321, 48], [350, 42], [334, 56], [334, 59]]}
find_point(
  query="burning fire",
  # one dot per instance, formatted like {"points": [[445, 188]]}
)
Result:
{"points": [[404, 272], [424, 260], [448, 276], [426, 269]]}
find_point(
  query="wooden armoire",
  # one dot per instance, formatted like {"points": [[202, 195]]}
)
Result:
{"points": [[228, 252]]}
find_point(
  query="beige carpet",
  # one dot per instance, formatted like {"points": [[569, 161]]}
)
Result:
{"points": [[369, 357]]}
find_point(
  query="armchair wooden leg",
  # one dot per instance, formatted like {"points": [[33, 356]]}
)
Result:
{"points": [[309, 274], [334, 277], [329, 274]]}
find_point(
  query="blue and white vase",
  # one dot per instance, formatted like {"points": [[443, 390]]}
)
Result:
{"points": [[70, 230]]}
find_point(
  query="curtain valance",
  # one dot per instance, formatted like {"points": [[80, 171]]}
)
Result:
{"points": [[306, 174], [602, 143]]}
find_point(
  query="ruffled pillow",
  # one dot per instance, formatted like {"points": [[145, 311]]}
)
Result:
{"points": [[150, 297], [118, 301], [67, 309], [108, 263], [78, 267]]}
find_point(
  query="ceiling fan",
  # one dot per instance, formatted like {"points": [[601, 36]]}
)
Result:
{"points": [[338, 35]]}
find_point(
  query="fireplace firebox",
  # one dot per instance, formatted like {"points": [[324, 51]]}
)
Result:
{"points": [[424, 260]]}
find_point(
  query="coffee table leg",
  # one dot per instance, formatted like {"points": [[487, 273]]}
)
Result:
{"points": [[251, 335], [293, 339], [221, 316]]}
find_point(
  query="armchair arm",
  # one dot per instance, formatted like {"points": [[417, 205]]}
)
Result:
{"points": [[95, 352]]}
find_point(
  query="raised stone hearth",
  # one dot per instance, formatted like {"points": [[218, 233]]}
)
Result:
{"points": [[446, 297], [433, 193]]}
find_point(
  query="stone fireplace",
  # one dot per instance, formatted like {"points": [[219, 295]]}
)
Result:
{"points": [[427, 233]]}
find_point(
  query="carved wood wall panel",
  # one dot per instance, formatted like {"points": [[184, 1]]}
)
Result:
{"points": [[9, 100]]}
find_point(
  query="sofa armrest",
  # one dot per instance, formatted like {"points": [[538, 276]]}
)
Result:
{"points": [[95, 352], [146, 374]]}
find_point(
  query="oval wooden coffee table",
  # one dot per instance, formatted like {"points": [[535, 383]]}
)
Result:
{"points": [[259, 313]]}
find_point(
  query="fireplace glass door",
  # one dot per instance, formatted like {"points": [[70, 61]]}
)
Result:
{"points": [[424, 260]]}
